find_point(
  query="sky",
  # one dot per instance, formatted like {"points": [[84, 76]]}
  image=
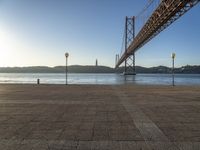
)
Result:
{"points": [[40, 32]]}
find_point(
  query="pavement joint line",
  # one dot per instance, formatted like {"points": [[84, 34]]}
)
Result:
{"points": [[78, 144], [44, 102], [152, 135], [86, 102]]}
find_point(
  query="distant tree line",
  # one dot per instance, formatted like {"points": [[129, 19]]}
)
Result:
{"points": [[98, 69]]}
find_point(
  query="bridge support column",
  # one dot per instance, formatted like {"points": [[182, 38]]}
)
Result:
{"points": [[129, 68]]}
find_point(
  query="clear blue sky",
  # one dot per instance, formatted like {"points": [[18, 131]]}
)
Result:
{"points": [[39, 32]]}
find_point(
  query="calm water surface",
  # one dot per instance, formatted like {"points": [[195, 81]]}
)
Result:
{"points": [[51, 78]]}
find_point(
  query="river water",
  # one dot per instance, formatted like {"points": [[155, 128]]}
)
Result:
{"points": [[109, 79]]}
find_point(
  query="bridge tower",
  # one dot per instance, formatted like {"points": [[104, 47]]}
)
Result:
{"points": [[129, 68]]}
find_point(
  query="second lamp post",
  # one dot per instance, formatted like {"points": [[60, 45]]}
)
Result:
{"points": [[173, 57], [66, 69]]}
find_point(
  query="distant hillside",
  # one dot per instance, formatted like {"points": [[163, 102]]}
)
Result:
{"points": [[98, 69], [58, 69]]}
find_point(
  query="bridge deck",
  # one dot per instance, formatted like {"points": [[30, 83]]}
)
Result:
{"points": [[99, 117]]}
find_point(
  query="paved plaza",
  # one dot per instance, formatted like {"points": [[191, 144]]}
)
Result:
{"points": [[99, 117]]}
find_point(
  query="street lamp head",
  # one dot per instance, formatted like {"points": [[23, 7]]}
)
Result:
{"points": [[173, 55], [66, 55]]}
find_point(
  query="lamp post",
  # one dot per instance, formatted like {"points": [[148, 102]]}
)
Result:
{"points": [[173, 57], [66, 70]]}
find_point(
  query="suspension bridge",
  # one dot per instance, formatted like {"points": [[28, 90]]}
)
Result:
{"points": [[162, 14]]}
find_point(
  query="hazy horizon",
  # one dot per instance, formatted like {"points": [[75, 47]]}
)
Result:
{"points": [[95, 66]]}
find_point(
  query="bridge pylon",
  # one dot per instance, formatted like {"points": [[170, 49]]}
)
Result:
{"points": [[129, 68]]}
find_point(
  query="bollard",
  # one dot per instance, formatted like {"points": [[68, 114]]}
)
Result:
{"points": [[38, 81]]}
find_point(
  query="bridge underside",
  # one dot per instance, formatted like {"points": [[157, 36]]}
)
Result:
{"points": [[165, 14]]}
